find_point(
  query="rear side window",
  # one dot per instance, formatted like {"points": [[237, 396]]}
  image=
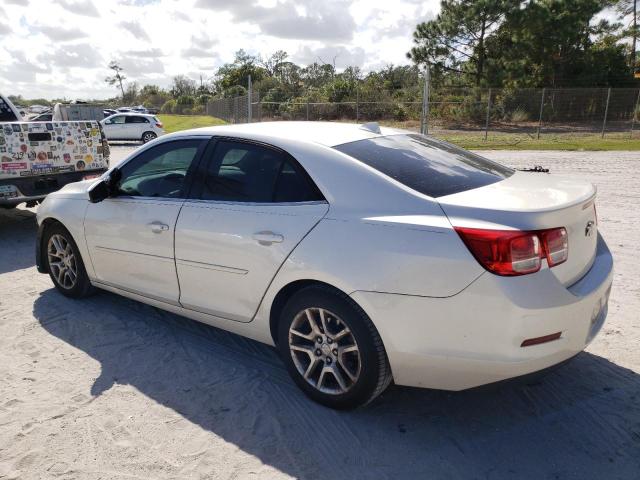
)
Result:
{"points": [[136, 120], [427, 165], [246, 172]]}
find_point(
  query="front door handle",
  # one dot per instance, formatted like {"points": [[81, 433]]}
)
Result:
{"points": [[157, 227], [267, 238]]}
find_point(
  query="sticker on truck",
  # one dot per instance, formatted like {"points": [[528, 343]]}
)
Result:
{"points": [[31, 149]]}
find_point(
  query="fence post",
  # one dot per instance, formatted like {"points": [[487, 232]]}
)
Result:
{"points": [[357, 104], [635, 111], [250, 99], [540, 116], [606, 111], [307, 109], [235, 109], [486, 123], [424, 117], [259, 105]]}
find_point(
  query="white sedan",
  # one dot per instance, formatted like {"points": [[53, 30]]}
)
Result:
{"points": [[364, 254], [132, 126]]}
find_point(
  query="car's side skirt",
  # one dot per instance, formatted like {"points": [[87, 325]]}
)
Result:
{"points": [[249, 329]]}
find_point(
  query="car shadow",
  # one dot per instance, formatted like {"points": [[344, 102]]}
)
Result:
{"points": [[17, 239], [581, 421]]}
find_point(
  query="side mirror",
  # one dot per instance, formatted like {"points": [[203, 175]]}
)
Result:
{"points": [[99, 192], [105, 188]]}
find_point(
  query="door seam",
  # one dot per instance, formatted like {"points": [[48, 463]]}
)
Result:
{"points": [[264, 294]]}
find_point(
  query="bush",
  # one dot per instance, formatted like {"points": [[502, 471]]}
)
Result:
{"points": [[185, 100], [399, 112], [519, 115], [203, 99], [170, 106]]}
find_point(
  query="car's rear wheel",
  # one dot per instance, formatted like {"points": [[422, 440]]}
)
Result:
{"points": [[331, 348], [65, 264], [148, 136]]}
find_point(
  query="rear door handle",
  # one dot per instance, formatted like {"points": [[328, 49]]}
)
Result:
{"points": [[157, 227], [267, 238]]}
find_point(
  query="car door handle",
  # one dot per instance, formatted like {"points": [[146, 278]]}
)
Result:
{"points": [[157, 227], [267, 238]]}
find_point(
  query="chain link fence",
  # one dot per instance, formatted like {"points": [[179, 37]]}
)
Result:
{"points": [[458, 111]]}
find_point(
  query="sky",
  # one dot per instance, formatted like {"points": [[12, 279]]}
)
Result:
{"points": [[61, 48]]}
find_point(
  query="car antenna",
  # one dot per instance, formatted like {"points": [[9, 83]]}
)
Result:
{"points": [[536, 168], [372, 127]]}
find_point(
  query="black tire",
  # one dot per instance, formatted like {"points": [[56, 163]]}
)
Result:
{"points": [[81, 286], [374, 371], [148, 136]]}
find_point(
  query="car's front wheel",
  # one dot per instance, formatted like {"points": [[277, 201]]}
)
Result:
{"points": [[148, 136], [64, 263], [331, 348]]}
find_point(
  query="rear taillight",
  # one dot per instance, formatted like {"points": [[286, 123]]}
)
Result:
{"points": [[514, 252], [555, 243], [159, 124]]}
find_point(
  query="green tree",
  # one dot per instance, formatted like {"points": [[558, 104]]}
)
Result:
{"points": [[182, 86], [628, 10], [317, 74], [117, 78], [555, 43], [237, 73], [455, 41]]}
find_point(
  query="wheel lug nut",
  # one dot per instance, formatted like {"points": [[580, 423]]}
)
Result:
{"points": [[335, 351], [319, 339], [318, 352], [328, 360], [329, 340]]}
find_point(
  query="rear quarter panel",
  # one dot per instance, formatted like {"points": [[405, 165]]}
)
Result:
{"points": [[413, 255]]}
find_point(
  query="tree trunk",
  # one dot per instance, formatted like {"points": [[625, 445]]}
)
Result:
{"points": [[121, 87], [481, 55], [634, 36]]}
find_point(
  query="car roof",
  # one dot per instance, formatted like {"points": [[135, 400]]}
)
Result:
{"points": [[324, 133], [133, 114]]}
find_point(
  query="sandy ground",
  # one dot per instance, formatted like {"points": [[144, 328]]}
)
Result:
{"points": [[107, 388]]}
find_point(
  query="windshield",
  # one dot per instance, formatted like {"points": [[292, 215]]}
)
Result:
{"points": [[6, 114], [429, 166]]}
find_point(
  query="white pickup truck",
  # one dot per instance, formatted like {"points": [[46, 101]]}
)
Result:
{"points": [[37, 158]]}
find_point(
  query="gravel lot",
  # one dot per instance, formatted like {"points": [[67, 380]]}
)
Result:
{"points": [[110, 388]]}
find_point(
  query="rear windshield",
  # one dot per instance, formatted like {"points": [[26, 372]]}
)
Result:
{"points": [[427, 165]]}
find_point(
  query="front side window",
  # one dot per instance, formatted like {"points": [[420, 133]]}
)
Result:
{"points": [[246, 172], [427, 165], [116, 120], [159, 171]]}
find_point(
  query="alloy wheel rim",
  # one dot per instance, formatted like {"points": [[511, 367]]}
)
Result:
{"points": [[324, 351], [148, 137], [62, 261]]}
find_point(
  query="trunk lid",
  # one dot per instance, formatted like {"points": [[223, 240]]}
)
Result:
{"points": [[534, 201]]}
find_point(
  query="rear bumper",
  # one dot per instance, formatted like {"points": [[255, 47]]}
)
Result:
{"points": [[475, 337], [14, 191]]}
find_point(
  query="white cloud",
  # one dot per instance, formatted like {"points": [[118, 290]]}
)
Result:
{"points": [[65, 45], [80, 7]]}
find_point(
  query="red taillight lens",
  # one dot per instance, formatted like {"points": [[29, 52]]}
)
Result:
{"points": [[503, 252], [513, 252], [556, 245], [159, 124]]}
